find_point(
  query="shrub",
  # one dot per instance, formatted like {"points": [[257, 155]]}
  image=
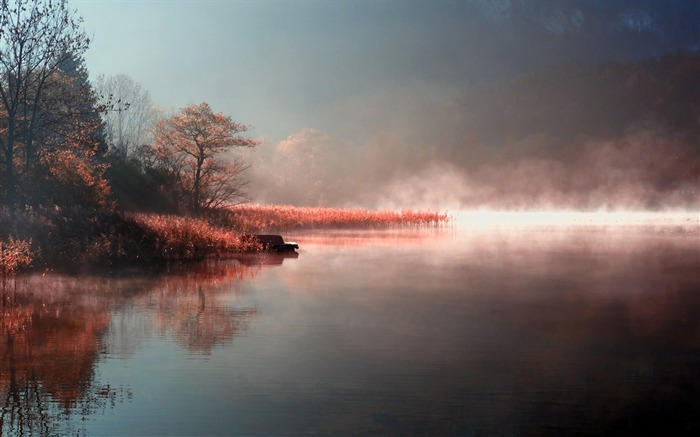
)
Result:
{"points": [[14, 255]]}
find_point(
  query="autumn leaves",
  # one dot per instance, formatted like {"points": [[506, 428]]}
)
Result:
{"points": [[190, 148]]}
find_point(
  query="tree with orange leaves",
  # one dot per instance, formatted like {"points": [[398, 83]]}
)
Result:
{"points": [[37, 40], [191, 147]]}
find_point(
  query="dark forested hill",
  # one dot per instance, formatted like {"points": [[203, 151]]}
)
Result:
{"points": [[605, 101]]}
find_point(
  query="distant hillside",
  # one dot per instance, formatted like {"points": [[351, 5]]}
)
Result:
{"points": [[606, 101]]}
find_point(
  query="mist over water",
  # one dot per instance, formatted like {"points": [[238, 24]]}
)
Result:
{"points": [[645, 170]]}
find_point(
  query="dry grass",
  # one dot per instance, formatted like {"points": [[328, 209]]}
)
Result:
{"points": [[191, 238], [258, 218]]}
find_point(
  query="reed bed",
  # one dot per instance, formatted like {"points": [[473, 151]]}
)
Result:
{"points": [[259, 218], [191, 238]]}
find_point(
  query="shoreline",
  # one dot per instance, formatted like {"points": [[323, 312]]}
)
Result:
{"points": [[58, 239]]}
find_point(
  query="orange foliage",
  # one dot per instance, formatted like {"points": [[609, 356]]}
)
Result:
{"points": [[75, 178], [190, 146]]}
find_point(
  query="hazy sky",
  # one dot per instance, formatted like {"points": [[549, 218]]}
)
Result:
{"points": [[287, 65]]}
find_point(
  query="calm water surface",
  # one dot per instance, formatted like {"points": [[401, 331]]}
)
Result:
{"points": [[420, 332]]}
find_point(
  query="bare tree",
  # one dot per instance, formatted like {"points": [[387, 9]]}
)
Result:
{"points": [[36, 37], [130, 125], [191, 146]]}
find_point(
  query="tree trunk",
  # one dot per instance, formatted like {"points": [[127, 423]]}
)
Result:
{"points": [[196, 188], [9, 181]]}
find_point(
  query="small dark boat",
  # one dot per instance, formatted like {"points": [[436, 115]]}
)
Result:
{"points": [[276, 243]]}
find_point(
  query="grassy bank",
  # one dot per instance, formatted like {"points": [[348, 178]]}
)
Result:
{"points": [[51, 238], [79, 238]]}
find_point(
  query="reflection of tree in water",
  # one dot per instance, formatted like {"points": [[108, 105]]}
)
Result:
{"points": [[50, 342], [54, 329], [193, 308]]}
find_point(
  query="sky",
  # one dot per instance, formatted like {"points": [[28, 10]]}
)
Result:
{"points": [[279, 65], [337, 78]]}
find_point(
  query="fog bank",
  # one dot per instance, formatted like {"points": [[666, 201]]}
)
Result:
{"points": [[643, 170]]}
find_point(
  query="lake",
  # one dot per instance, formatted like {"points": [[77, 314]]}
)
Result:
{"points": [[463, 330]]}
